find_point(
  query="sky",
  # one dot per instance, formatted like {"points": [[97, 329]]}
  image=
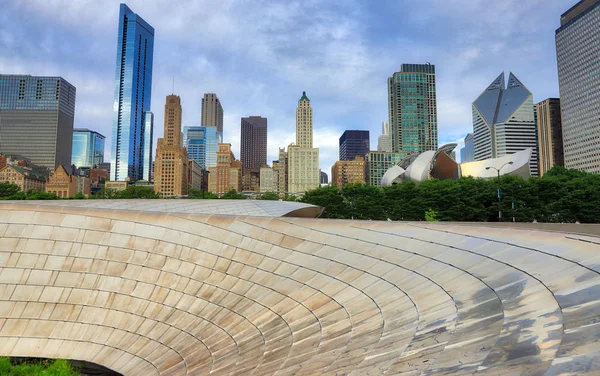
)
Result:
{"points": [[259, 56]]}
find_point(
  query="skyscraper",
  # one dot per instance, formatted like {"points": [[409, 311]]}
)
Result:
{"points": [[504, 121], [253, 143], [36, 119], [304, 122], [549, 130], [131, 155], [384, 141], [468, 151], [202, 144], [212, 112], [413, 109], [171, 164], [577, 41], [88, 148], [353, 143], [302, 158]]}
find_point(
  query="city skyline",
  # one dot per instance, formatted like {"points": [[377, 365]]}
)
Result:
{"points": [[280, 65]]}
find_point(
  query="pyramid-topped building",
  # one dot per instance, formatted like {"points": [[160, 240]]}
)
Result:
{"points": [[504, 121]]}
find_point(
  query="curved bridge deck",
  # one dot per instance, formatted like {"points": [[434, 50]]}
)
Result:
{"points": [[150, 293]]}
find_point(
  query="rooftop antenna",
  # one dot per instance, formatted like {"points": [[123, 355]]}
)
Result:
{"points": [[173, 92]]}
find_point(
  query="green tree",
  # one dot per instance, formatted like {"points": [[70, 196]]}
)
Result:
{"points": [[39, 195], [366, 201], [8, 189], [329, 197], [431, 216], [288, 197], [268, 196], [232, 194], [36, 367]]}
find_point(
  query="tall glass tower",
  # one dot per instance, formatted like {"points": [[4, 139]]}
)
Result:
{"points": [[131, 155], [412, 109]]}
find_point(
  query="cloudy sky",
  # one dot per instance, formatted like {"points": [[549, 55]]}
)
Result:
{"points": [[258, 56]]}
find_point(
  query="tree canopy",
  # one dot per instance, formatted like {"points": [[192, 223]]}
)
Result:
{"points": [[561, 195]]}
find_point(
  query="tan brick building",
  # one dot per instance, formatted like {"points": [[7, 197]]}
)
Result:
{"points": [[227, 174], [171, 163], [64, 185], [348, 172], [24, 177]]}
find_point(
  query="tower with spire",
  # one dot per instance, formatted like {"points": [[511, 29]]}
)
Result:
{"points": [[303, 158]]}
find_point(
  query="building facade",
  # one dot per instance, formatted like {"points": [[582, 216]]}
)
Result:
{"points": [[353, 143], [303, 159], [504, 121], [253, 150], [88, 148], [377, 163], [324, 178], [348, 172], [195, 175], [202, 144], [132, 125], [24, 177], [212, 112], [384, 141], [253, 142], [412, 107], [171, 163], [549, 131], [467, 153], [578, 60], [280, 172], [36, 119], [267, 179], [64, 185], [227, 174]]}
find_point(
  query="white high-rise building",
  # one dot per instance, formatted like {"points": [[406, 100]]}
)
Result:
{"points": [[504, 121], [578, 60], [384, 142], [303, 159]]}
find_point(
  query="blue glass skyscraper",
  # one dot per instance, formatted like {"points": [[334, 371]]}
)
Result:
{"points": [[202, 145], [88, 148], [131, 140]]}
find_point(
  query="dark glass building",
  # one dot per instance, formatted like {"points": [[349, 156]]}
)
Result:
{"points": [[36, 119], [253, 143], [88, 148], [353, 143], [412, 109], [133, 122], [324, 178]]}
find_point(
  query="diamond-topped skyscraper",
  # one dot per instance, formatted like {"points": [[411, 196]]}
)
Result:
{"points": [[504, 121], [131, 155]]}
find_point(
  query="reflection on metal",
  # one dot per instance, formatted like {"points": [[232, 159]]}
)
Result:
{"points": [[150, 293], [519, 167], [438, 165]]}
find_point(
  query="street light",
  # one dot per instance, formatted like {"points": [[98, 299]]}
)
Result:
{"points": [[498, 170]]}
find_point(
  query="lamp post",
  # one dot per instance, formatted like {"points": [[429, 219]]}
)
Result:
{"points": [[498, 171]]}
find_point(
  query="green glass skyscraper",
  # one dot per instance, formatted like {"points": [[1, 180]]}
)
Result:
{"points": [[413, 109]]}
